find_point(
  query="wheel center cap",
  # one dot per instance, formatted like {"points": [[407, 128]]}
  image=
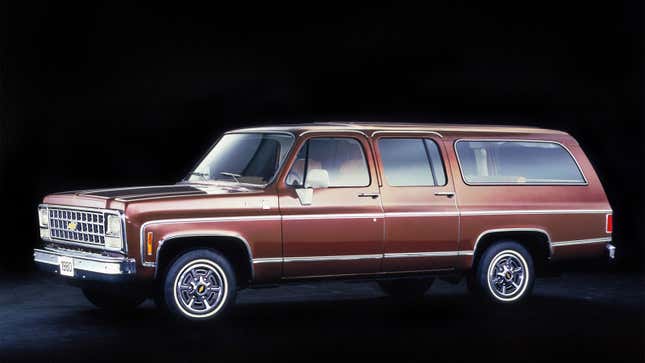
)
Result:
{"points": [[201, 288], [508, 275]]}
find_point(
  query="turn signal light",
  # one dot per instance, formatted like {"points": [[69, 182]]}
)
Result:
{"points": [[149, 243], [609, 225]]}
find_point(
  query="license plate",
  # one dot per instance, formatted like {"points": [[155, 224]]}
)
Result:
{"points": [[66, 265]]}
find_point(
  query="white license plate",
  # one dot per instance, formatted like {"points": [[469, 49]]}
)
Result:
{"points": [[66, 265]]}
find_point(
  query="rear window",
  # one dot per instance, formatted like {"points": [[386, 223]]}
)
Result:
{"points": [[517, 162]]}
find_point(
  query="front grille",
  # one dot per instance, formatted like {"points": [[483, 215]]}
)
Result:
{"points": [[81, 226]]}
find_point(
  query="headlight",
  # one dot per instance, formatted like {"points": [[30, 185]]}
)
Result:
{"points": [[113, 236], [43, 217], [113, 225]]}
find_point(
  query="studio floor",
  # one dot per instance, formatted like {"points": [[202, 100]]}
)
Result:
{"points": [[576, 316]]}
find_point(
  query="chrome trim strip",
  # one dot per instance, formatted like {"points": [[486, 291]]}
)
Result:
{"points": [[581, 242], [421, 254], [500, 230], [332, 258], [267, 260], [332, 216], [532, 211], [463, 178], [355, 257], [88, 262], [198, 220], [442, 213], [333, 131], [405, 132], [421, 214], [207, 234], [258, 131]]}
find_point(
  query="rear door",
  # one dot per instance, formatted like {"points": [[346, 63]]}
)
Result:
{"points": [[417, 194]]}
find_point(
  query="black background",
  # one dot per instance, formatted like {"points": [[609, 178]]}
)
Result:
{"points": [[113, 95]]}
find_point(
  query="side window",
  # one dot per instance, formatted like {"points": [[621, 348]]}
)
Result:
{"points": [[411, 162], [342, 158], [517, 162]]}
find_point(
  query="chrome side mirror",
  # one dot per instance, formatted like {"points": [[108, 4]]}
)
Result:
{"points": [[316, 179]]}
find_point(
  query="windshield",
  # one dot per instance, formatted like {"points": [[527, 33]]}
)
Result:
{"points": [[252, 158]]}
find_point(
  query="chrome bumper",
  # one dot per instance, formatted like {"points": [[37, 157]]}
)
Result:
{"points": [[87, 266], [611, 251]]}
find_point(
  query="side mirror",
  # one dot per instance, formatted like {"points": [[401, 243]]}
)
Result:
{"points": [[316, 179]]}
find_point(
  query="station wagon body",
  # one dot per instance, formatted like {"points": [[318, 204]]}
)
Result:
{"points": [[397, 203]]}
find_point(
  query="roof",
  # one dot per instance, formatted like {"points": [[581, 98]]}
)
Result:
{"points": [[443, 129]]}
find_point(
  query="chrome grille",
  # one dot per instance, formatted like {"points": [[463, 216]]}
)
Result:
{"points": [[81, 226]]}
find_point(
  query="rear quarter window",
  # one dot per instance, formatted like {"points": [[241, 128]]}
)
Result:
{"points": [[517, 162]]}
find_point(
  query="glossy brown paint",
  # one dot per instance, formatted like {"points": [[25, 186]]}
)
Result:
{"points": [[309, 231], [520, 203], [316, 240], [418, 218]]}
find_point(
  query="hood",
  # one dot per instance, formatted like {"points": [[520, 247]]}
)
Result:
{"points": [[133, 193], [103, 198]]}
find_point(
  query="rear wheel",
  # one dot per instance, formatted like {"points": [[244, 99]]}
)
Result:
{"points": [[504, 273], [199, 285], [114, 301], [406, 289]]}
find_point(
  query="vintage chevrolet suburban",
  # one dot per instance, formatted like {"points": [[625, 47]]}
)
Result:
{"points": [[396, 203]]}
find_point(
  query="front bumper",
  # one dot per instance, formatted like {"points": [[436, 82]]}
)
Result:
{"points": [[87, 266]]}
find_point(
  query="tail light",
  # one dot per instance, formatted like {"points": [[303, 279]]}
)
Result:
{"points": [[609, 224]]}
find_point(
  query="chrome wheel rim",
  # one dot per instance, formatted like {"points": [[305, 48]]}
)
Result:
{"points": [[200, 288], [508, 275]]}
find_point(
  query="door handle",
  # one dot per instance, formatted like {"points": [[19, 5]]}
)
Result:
{"points": [[369, 195], [445, 194]]}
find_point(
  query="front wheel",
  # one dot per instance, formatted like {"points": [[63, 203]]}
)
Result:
{"points": [[199, 285], [504, 273]]}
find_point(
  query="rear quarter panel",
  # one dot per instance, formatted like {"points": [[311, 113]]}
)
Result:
{"points": [[565, 212]]}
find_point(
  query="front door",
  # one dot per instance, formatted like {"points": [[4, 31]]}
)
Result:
{"points": [[341, 231], [421, 217]]}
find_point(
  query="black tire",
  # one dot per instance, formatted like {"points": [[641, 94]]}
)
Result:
{"points": [[209, 284], [512, 264], [113, 301], [406, 289]]}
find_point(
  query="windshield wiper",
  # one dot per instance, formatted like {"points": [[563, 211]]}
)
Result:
{"points": [[232, 175], [201, 175]]}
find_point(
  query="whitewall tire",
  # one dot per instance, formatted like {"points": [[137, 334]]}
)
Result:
{"points": [[504, 273], [200, 285]]}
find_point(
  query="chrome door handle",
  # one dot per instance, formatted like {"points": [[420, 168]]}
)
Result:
{"points": [[445, 194], [369, 195]]}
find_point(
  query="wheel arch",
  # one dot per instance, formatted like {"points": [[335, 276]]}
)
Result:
{"points": [[233, 246], [536, 240]]}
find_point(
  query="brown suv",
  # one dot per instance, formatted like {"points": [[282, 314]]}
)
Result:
{"points": [[397, 203]]}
